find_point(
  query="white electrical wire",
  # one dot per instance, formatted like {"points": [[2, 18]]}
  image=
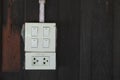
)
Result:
{"points": [[41, 10]]}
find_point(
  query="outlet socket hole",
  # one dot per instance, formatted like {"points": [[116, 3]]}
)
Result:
{"points": [[34, 62], [44, 63], [43, 58], [37, 60]]}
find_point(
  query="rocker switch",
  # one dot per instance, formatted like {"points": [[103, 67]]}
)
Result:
{"points": [[45, 43], [34, 43], [34, 31], [46, 31]]}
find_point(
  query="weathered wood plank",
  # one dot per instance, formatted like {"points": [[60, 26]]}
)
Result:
{"points": [[96, 40], [69, 39], [116, 41], [10, 41], [1, 33], [86, 39], [102, 57], [10, 76]]}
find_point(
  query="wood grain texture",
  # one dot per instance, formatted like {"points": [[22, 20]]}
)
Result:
{"points": [[69, 39], [86, 39], [102, 56], [1, 33], [96, 61], [10, 41], [116, 41]]}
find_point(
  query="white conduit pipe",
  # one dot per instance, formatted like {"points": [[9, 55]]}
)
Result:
{"points": [[41, 10]]}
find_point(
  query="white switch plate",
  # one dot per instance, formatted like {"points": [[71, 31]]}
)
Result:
{"points": [[40, 31], [40, 61], [34, 31], [40, 46], [46, 32], [46, 43], [34, 43]]}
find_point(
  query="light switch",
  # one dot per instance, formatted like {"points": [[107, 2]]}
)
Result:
{"points": [[34, 43], [46, 43], [46, 31], [34, 31], [40, 46], [40, 37]]}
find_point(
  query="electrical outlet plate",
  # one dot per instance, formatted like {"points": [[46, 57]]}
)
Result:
{"points": [[40, 46], [40, 37], [40, 61]]}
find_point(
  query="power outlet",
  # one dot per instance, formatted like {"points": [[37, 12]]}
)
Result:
{"points": [[40, 46], [40, 61]]}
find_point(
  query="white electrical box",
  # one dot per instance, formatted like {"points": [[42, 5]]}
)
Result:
{"points": [[40, 46], [40, 37], [40, 61]]}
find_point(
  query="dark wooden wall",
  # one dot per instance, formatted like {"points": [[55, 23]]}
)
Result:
{"points": [[87, 39], [1, 33], [10, 37], [96, 54], [116, 40]]}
